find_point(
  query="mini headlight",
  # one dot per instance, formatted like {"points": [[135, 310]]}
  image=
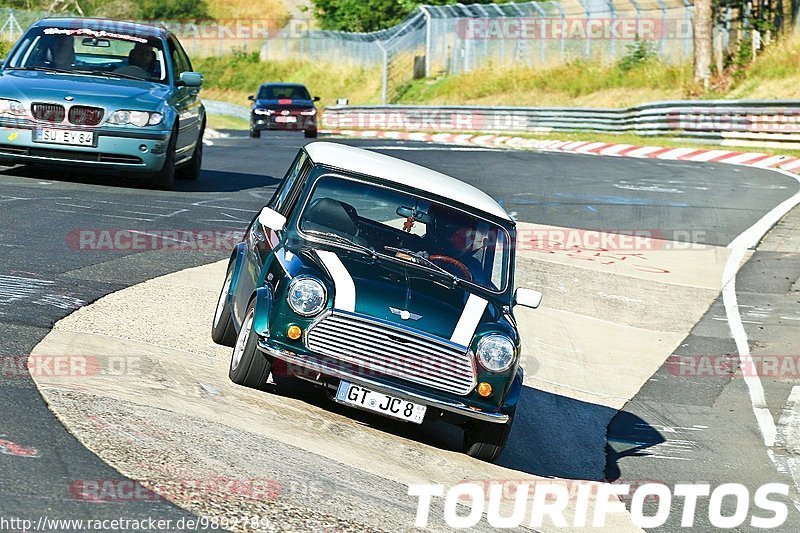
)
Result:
{"points": [[258, 111], [496, 353], [306, 296], [12, 107], [310, 112], [125, 117]]}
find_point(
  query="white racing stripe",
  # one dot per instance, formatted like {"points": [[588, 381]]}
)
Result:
{"points": [[470, 318], [345, 296]]}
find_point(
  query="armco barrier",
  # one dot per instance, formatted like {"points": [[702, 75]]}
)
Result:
{"points": [[724, 122], [765, 123]]}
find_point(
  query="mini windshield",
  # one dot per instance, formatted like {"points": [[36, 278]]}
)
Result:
{"points": [[89, 52], [407, 228], [281, 92]]}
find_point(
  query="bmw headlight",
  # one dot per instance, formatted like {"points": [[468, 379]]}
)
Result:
{"points": [[306, 296], [125, 117], [259, 111], [12, 108], [496, 353], [309, 112]]}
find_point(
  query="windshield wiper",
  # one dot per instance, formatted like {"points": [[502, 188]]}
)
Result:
{"points": [[44, 69], [343, 240], [425, 261], [120, 75]]}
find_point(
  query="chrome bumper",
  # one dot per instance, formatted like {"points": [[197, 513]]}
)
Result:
{"points": [[330, 370]]}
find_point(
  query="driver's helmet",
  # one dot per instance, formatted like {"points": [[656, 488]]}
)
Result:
{"points": [[455, 233]]}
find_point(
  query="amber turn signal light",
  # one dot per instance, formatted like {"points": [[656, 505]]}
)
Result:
{"points": [[484, 389], [294, 332]]}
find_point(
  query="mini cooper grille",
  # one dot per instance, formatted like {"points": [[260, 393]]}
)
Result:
{"points": [[85, 116], [48, 112], [378, 348]]}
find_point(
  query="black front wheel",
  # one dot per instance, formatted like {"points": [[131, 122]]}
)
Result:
{"points": [[249, 367], [164, 179], [222, 330], [486, 440], [192, 169], [311, 134], [255, 134]]}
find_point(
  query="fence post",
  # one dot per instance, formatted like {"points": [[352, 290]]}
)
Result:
{"points": [[428, 43], [587, 48], [613, 12], [385, 76]]}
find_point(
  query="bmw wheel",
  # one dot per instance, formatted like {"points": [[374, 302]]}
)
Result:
{"points": [[192, 169], [249, 367], [164, 179]]}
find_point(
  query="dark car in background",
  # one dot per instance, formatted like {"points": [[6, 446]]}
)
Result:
{"points": [[283, 106]]}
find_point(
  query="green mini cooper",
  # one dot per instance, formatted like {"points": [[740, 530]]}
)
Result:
{"points": [[387, 283]]}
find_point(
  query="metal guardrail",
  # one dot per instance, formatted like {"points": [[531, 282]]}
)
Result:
{"points": [[747, 123], [725, 122]]}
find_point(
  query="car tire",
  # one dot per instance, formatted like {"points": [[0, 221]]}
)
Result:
{"points": [[486, 440], [222, 330], [164, 179], [311, 134], [249, 367], [255, 134], [193, 169]]}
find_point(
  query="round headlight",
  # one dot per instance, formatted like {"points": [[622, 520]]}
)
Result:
{"points": [[306, 296], [496, 353]]}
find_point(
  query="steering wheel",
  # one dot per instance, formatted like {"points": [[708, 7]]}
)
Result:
{"points": [[455, 262]]}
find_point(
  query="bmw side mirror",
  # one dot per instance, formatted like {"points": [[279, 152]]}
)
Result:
{"points": [[527, 298], [271, 219], [316, 98], [190, 79], [252, 98]]}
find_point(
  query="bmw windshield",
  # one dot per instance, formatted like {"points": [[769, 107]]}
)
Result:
{"points": [[89, 52], [427, 234]]}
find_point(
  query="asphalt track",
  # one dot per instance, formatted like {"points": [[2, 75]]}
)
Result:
{"points": [[675, 431]]}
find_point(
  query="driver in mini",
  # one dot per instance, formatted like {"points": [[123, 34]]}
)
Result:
{"points": [[458, 241]]}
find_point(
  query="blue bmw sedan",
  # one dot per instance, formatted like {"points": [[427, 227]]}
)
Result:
{"points": [[103, 94]]}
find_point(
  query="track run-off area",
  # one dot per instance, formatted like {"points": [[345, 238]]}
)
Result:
{"points": [[662, 281]]}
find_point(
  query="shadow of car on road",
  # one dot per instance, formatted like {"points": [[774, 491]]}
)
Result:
{"points": [[553, 435]]}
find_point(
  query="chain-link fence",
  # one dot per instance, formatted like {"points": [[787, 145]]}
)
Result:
{"points": [[460, 38], [13, 22]]}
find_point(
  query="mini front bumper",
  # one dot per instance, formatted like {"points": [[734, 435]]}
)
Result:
{"points": [[116, 149], [326, 368]]}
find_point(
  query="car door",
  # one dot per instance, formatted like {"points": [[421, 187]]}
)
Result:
{"points": [[187, 102], [261, 242]]}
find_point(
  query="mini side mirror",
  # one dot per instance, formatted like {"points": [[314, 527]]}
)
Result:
{"points": [[252, 98], [316, 98], [190, 79], [271, 219], [527, 298]]}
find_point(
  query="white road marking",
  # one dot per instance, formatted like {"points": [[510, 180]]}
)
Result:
{"points": [[470, 318], [15, 288], [345, 297], [739, 247]]}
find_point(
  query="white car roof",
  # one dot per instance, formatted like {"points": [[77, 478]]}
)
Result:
{"points": [[404, 173]]}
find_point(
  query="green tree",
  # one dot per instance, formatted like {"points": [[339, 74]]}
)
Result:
{"points": [[172, 9], [371, 15]]}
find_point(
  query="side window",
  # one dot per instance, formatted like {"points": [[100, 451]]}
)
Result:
{"points": [[280, 200], [184, 57], [178, 65], [498, 264]]}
